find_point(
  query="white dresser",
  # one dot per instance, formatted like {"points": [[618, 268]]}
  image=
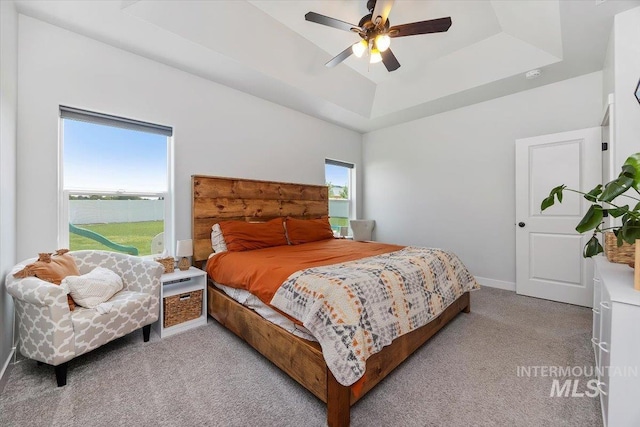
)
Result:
{"points": [[616, 342]]}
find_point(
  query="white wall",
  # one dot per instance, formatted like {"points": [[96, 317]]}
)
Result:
{"points": [[608, 67], [217, 130], [626, 47], [448, 180], [8, 107]]}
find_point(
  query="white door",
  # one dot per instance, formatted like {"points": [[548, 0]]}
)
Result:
{"points": [[549, 262]]}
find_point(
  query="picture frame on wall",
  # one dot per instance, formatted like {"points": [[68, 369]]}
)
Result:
{"points": [[638, 91]]}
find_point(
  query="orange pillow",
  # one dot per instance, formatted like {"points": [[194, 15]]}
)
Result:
{"points": [[244, 236], [52, 268], [308, 230]]}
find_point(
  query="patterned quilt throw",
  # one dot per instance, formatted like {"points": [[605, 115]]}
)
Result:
{"points": [[356, 308]]}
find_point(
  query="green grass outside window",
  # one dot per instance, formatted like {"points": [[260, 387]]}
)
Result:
{"points": [[138, 234]]}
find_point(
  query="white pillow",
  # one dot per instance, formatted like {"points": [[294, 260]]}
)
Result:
{"points": [[93, 288], [217, 239]]}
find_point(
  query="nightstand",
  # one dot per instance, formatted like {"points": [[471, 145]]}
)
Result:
{"points": [[183, 301]]}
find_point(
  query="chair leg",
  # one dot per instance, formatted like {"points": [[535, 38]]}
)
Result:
{"points": [[61, 374], [146, 330]]}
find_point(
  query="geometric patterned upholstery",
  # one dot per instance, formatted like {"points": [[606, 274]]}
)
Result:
{"points": [[49, 332], [130, 311]]}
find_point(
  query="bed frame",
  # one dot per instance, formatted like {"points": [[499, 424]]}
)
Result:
{"points": [[216, 199]]}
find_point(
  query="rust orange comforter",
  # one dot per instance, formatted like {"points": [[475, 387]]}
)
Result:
{"points": [[262, 271]]}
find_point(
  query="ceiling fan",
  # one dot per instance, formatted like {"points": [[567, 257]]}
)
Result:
{"points": [[376, 33]]}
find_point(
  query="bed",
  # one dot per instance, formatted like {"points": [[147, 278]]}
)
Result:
{"points": [[216, 199]]}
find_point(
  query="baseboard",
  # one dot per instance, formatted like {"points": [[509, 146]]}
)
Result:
{"points": [[498, 284], [6, 368]]}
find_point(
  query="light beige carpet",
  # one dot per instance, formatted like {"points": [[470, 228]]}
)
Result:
{"points": [[465, 375]]}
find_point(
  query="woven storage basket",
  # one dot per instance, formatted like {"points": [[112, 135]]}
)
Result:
{"points": [[168, 263], [182, 308], [624, 254]]}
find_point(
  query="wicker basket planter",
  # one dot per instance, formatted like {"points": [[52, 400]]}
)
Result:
{"points": [[169, 264], [624, 254], [182, 308]]}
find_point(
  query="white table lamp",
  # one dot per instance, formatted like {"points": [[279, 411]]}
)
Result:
{"points": [[184, 249]]}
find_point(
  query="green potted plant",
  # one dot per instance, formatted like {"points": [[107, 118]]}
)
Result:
{"points": [[627, 187]]}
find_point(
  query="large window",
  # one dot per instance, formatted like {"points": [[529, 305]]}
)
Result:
{"points": [[115, 184], [340, 179]]}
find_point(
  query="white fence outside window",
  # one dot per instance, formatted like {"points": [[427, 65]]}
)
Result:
{"points": [[339, 207], [110, 211]]}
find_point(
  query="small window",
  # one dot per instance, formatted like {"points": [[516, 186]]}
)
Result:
{"points": [[340, 179], [115, 176]]}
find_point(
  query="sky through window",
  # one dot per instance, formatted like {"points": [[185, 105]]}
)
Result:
{"points": [[107, 158]]}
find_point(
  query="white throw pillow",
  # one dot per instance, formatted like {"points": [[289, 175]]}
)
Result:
{"points": [[93, 288], [217, 239]]}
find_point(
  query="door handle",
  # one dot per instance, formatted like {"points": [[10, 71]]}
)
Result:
{"points": [[521, 224]]}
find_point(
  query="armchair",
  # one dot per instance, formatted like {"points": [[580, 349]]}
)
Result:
{"points": [[50, 333]]}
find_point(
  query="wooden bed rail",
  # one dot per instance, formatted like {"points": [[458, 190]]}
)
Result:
{"points": [[302, 360]]}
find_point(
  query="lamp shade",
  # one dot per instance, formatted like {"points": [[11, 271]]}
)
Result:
{"points": [[383, 41], [375, 56], [359, 48], [184, 248]]}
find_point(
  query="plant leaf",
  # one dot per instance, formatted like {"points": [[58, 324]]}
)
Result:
{"points": [[592, 195], [591, 219], [616, 188], [555, 192], [616, 212], [548, 202], [593, 247], [630, 231], [634, 161], [628, 170]]}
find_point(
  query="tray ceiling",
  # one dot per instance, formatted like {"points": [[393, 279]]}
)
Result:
{"points": [[267, 49]]}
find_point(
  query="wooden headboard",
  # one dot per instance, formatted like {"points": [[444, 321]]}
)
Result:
{"points": [[217, 198]]}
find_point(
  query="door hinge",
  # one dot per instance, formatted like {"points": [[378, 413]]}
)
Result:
{"points": [[605, 146]]}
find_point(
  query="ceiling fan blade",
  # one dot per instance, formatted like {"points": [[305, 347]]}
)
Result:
{"points": [[389, 60], [439, 25], [339, 58], [382, 9], [330, 22]]}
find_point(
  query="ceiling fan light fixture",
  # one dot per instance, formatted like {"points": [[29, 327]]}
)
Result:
{"points": [[375, 56], [359, 48], [383, 41], [376, 32]]}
